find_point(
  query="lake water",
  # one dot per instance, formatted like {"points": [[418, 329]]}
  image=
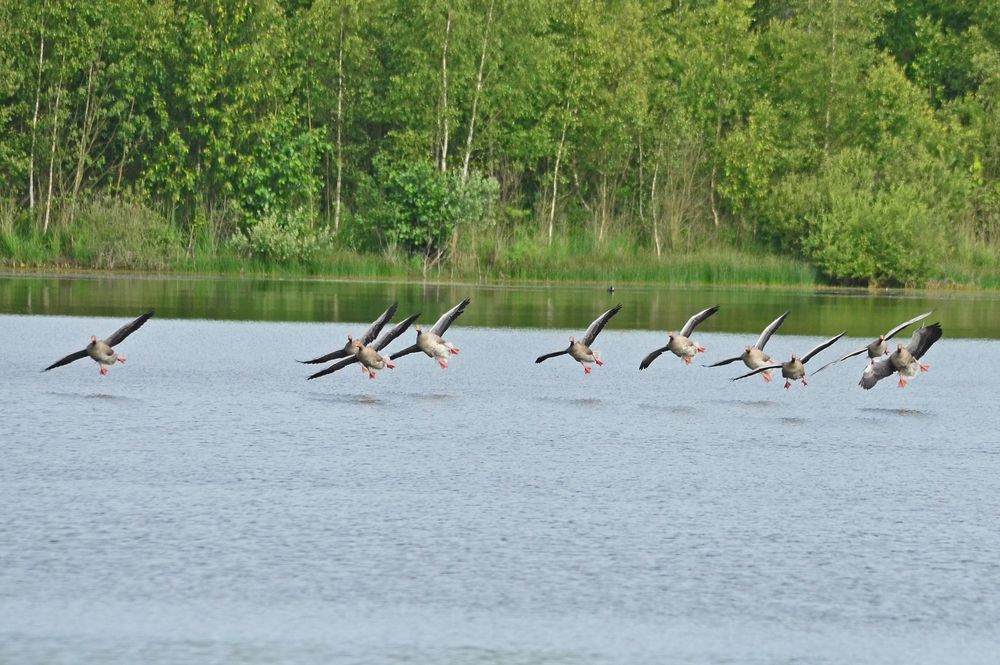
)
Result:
{"points": [[204, 503]]}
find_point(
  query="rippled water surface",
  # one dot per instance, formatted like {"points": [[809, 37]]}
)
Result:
{"points": [[205, 503]]}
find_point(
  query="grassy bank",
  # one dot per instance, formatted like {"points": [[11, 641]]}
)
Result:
{"points": [[120, 236], [616, 261]]}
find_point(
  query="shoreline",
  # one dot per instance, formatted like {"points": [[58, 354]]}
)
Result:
{"points": [[77, 272]]}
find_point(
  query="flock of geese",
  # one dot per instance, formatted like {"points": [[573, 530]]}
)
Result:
{"points": [[366, 350]]}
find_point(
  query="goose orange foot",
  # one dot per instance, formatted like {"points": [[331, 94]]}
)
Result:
{"points": [[104, 371], [586, 370]]}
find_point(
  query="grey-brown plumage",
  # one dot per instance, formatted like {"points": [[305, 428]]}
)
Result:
{"points": [[680, 344], [101, 350], [373, 357], [579, 350], [794, 369], [753, 356], [878, 347], [431, 342], [349, 349], [904, 360]]}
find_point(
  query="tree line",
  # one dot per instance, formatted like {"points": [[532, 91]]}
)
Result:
{"points": [[862, 136]]}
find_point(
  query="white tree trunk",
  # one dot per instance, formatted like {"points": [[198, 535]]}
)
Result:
{"points": [[34, 121], [475, 96], [555, 179], [444, 95], [89, 113], [52, 159], [653, 212], [829, 90], [340, 124]]}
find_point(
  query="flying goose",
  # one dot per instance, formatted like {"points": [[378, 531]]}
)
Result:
{"points": [[431, 342], [368, 355], [581, 351], [879, 347], [754, 356], [101, 349], [794, 369], [904, 360], [679, 344], [349, 349]]}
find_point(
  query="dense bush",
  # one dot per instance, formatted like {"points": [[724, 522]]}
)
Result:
{"points": [[858, 224], [422, 207], [115, 234], [282, 238]]}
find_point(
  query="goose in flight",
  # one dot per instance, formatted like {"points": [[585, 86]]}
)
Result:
{"points": [[904, 360], [878, 348], [431, 343], [754, 356], [680, 345], [101, 349], [581, 351], [349, 349], [368, 355], [794, 369]]}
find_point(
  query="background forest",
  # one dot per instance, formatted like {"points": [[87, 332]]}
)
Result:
{"points": [[847, 141]]}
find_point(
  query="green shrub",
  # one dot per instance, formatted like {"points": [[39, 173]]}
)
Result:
{"points": [[862, 224], [282, 238], [116, 234], [421, 207]]}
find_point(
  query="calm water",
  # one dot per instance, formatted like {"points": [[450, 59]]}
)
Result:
{"points": [[204, 503]]}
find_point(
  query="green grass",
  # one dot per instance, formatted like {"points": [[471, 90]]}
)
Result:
{"points": [[115, 235]]}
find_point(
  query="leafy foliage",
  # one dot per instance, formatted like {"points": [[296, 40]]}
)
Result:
{"points": [[862, 134], [424, 207]]}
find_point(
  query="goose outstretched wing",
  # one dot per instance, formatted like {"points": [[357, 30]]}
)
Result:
{"points": [[333, 368], [598, 325], [923, 338], [449, 317], [551, 355], [653, 355], [67, 360], [376, 327], [117, 336], [395, 332], [770, 330], [756, 371], [820, 347], [695, 320], [892, 333]]}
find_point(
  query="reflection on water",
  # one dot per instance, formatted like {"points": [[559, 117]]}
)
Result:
{"points": [[749, 404], [91, 396], [347, 399], [748, 310], [905, 413]]}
